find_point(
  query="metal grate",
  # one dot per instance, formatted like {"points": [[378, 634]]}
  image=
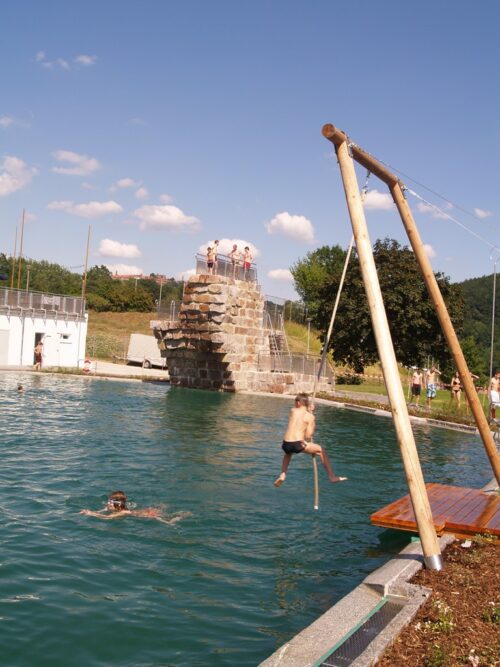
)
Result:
{"points": [[358, 641]]}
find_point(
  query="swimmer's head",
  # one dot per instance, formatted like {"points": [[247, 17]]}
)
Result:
{"points": [[20, 387], [117, 501]]}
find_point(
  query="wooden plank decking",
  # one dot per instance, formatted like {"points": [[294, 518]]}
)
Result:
{"points": [[460, 511]]}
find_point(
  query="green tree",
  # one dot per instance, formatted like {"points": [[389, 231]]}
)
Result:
{"points": [[412, 320]]}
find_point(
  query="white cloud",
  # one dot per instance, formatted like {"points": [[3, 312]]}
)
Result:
{"points": [[14, 175], [63, 64], [82, 164], [226, 245], [280, 274], [166, 199], [86, 60], [295, 227], [6, 121], [429, 251], [94, 209], [109, 248], [142, 193], [125, 269], [481, 213], [184, 275], [125, 183], [89, 186], [380, 201], [434, 211], [40, 56], [166, 217]]}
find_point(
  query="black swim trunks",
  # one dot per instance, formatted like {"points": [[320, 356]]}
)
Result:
{"points": [[293, 447]]}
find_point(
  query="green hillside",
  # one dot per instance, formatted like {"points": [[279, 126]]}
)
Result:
{"points": [[478, 296]]}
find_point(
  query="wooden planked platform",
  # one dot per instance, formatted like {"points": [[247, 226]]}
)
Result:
{"points": [[460, 511]]}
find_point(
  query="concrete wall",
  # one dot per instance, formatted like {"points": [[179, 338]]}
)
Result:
{"points": [[219, 338], [63, 339]]}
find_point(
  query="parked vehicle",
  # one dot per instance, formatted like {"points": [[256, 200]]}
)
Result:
{"points": [[143, 350]]}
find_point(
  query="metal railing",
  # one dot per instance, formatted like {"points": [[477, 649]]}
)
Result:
{"points": [[280, 309], [168, 310], [293, 363], [13, 299], [224, 266]]}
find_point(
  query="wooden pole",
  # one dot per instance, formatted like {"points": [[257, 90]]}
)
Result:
{"points": [[404, 433], [84, 283], [337, 137], [447, 328], [20, 254], [13, 269]]}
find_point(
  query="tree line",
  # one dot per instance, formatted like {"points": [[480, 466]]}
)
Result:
{"points": [[103, 293], [415, 330]]}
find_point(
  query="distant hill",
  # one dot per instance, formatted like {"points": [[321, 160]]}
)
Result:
{"points": [[478, 297]]}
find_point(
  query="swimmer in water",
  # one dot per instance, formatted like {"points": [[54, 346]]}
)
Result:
{"points": [[117, 507], [20, 387]]}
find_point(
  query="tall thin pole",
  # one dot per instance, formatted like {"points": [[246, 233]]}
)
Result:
{"points": [[20, 254], [84, 282], [493, 315], [13, 269], [404, 433]]}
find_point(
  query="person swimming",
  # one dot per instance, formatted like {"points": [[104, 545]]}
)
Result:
{"points": [[117, 506]]}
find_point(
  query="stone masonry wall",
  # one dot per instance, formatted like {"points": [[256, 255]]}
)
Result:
{"points": [[217, 339]]}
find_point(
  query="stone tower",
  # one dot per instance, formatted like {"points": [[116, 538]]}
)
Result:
{"points": [[219, 335]]}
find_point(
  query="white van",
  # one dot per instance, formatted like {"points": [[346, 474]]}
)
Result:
{"points": [[143, 349]]}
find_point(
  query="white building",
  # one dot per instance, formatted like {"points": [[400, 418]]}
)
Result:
{"points": [[59, 322]]}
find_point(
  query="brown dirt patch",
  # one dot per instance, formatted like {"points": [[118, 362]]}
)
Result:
{"points": [[460, 623]]}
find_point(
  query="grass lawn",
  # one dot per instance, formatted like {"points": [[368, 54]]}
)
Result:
{"points": [[109, 333]]}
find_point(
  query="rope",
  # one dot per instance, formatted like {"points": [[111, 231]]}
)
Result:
{"points": [[327, 340], [337, 298]]}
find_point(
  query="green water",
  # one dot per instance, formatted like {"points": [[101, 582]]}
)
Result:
{"points": [[227, 585]]}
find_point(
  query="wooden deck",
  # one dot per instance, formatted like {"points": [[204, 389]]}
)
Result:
{"points": [[462, 512]]}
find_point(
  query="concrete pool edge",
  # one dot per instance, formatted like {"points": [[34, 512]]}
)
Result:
{"points": [[312, 646], [377, 412]]}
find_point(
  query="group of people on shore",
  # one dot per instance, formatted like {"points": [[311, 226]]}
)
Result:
{"points": [[429, 382], [241, 261]]}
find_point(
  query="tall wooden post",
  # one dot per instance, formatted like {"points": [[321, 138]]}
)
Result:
{"points": [[84, 281], [411, 463], [13, 269], [447, 327]]}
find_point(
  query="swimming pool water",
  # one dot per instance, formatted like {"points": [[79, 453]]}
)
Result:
{"points": [[227, 585]]}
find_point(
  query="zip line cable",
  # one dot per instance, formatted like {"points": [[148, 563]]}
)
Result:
{"points": [[447, 216]]}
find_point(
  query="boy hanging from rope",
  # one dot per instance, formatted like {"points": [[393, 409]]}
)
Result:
{"points": [[301, 425]]}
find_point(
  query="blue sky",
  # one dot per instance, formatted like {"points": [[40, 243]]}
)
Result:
{"points": [[167, 124]]}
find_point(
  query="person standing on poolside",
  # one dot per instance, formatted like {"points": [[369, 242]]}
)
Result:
{"points": [[455, 389], [38, 355], [416, 384], [301, 425], [494, 393], [431, 383]]}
